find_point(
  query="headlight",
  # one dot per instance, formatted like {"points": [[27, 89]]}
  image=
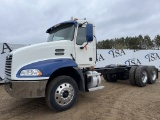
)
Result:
{"points": [[31, 72]]}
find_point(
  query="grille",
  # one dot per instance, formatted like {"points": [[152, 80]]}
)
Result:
{"points": [[8, 65]]}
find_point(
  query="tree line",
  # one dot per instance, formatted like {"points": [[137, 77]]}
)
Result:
{"points": [[137, 42]]}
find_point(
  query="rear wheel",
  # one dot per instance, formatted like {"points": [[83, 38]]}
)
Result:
{"points": [[132, 75], [141, 76], [61, 93], [152, 74], [110, 77]]}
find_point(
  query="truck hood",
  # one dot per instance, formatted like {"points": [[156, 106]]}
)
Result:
{"points": [[40, 46], [40, 52]]}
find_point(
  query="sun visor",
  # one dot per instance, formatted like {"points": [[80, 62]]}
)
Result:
{"points": [[66, 22]]}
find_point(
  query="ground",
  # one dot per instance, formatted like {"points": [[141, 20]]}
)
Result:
{"points": [[117, 101]]}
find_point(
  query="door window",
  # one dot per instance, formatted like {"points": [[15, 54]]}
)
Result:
{"points": [[81, 36]]}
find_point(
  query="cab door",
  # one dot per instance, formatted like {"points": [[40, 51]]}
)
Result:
{"points": [[85, 52]]}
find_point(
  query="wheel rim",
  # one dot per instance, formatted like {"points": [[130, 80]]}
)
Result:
{"points": [[154, 75], [144, 77], [64, 94]]}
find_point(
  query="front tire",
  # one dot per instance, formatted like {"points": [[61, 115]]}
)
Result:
{"points": [[61, 93]]}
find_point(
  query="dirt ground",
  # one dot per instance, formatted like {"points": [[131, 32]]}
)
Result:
{"points": [[117, 101]]}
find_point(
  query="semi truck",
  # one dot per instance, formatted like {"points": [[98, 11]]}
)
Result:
{"points": [[65, 64]]}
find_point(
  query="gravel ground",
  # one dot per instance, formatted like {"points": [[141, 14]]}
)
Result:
{"points": [[117, 101]]}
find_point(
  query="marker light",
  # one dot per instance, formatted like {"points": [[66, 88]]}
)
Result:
{"points": [[31, 72], [75, 19]]}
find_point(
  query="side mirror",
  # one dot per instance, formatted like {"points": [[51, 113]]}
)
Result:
{"points": [[89, 32]]}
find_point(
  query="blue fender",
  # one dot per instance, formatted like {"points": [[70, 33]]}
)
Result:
{"points": [[47, 67]]}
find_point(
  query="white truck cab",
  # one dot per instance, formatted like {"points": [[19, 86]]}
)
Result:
{"points": [[66, 57]]}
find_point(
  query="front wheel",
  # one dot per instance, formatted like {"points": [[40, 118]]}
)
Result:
{"points": [[61, 93]]}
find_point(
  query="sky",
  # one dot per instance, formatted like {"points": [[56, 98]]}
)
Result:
{"points": [[26, 21]]}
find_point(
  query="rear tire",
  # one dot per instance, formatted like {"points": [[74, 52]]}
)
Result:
{"points": [[141, 76], [152, 74], [132, 75], [61, 93], [110, 77]]}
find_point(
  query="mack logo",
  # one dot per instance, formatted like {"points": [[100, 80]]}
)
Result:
{"points": [[100, 57], [152, 57], [5, 47], [133, 61], [116, 53]]}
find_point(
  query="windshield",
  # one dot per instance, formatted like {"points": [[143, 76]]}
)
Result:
{"points": [[62, 32]]}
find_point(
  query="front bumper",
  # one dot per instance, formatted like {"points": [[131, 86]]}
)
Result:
{"points": [[26, 89]]}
